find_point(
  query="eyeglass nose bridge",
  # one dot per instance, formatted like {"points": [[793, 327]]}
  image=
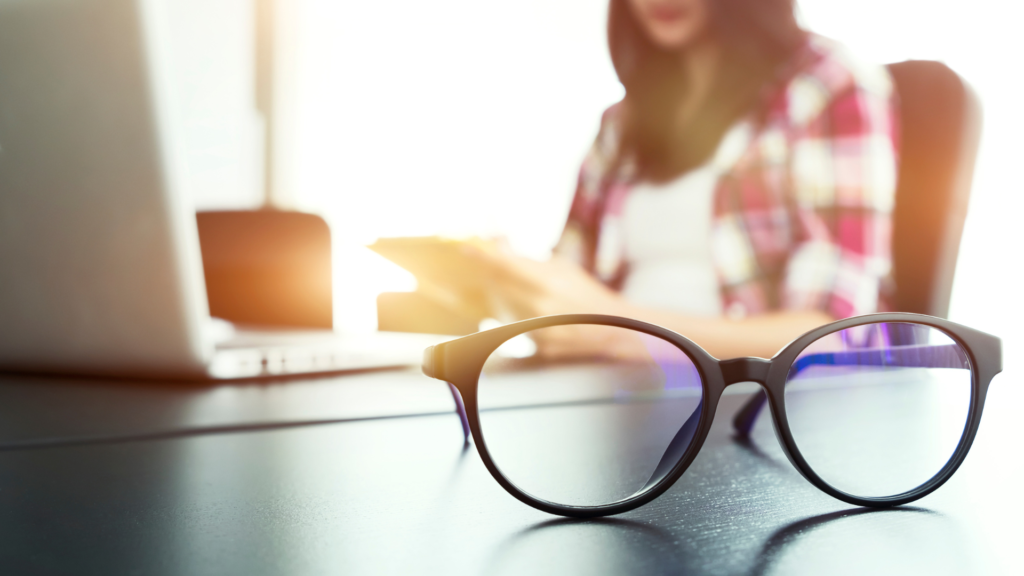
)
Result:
{"points": [[748, 369]]}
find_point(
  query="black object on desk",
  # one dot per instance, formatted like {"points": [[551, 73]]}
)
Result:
{"points": [[940, 125]]}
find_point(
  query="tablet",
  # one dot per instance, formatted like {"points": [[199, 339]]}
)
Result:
{"points": [[438, 260]]}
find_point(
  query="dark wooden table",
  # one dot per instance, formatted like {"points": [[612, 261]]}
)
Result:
{"points": [[366, 474]]}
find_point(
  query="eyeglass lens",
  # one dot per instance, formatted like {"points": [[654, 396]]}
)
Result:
{"points": [[587, 415], [878, 410]]}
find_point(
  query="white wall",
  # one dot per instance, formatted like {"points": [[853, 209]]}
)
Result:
{"points": [[214, 66]]}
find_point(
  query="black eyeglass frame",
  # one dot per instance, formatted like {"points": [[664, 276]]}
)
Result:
{"points": [[460, 362]]}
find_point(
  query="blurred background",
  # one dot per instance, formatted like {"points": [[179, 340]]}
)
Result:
{"points": [[462, 117]]}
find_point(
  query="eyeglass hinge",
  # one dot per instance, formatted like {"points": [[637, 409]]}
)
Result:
{"points": [[430, 365]]}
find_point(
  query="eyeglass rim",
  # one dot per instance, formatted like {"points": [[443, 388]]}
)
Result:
{"points": [[460, 362]]}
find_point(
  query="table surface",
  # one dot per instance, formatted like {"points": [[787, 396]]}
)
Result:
{"points": [[367, 473]]}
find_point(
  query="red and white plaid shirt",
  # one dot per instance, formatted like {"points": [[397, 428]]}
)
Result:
{"points": [[803, 217]]}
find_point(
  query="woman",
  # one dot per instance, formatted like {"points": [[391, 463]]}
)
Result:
{"points": [[740, 194]]}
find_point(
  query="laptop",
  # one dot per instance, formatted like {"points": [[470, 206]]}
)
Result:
{"points": [[100, 266]]}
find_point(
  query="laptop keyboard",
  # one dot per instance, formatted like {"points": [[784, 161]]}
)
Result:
{"points": [[262, 353]]}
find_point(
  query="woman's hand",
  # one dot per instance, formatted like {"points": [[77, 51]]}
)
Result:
{"points": [[589, 342], [523, 288]]}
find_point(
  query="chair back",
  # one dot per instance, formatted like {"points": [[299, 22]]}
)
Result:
{"points": [[940, 124]]}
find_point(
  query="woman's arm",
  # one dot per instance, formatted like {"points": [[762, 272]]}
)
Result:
{"points": [[526, 288]]}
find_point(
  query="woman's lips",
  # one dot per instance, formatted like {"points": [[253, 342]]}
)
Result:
{"points": [[668, 13]]}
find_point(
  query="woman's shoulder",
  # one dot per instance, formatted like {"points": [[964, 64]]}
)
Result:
{"points": [[609, 132], [823, 70], [603, 151]]}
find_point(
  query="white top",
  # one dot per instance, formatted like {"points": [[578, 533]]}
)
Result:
{"points": [[667, 236]]}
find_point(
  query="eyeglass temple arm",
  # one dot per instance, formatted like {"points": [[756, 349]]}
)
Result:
{"points": [[945, 356], [460, 408], [676, 448]]}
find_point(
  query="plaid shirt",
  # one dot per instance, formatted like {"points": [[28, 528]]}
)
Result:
{"points": [[802, 215]]}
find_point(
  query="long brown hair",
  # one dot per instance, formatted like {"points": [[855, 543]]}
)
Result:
{"points": [[755, 37]]}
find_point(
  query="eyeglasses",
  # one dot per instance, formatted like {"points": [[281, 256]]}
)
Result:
{"points": [[876, 410]]}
